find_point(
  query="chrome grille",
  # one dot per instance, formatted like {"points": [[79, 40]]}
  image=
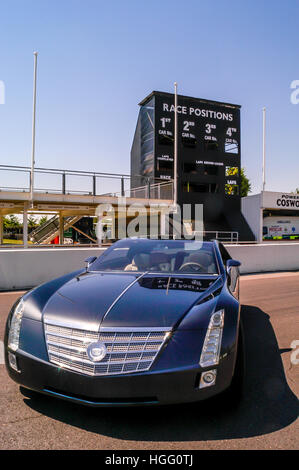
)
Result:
{"points": [[128, 351]]}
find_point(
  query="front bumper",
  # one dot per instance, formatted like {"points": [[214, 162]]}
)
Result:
{"points": [[150, 388]]}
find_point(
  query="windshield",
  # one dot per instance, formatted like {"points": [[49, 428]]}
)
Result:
{"points": [[158, 256]]}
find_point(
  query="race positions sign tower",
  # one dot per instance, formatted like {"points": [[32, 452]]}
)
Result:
{"points": [[209, 155]]}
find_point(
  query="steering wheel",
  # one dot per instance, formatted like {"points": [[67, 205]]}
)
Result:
{"points": [[196, 266]]}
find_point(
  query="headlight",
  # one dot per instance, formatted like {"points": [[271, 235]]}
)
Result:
{"points": [[212, 345], [15, 326]]}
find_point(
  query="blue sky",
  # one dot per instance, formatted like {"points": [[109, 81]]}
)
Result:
{"points": [[98, 59]]}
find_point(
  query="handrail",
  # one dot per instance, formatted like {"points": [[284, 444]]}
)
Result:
{"points": [[67, 171], [233, 236], [95, 179]]}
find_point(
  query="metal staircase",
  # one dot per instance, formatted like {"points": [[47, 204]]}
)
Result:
{"points": [[49, 230]]}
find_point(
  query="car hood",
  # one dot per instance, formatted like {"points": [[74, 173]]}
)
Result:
{"points": [[125, 300]]}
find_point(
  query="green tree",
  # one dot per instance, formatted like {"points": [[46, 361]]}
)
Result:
{"points": [[32, 223], [245, 184], [5, 223], [43, 220], [11, 222]]}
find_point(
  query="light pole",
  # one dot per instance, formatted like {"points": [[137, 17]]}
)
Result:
{"points": [[175, 162], [264, 148], [33, 130]]}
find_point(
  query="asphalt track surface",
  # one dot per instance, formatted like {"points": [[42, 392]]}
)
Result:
{"points": [[267, 417]]}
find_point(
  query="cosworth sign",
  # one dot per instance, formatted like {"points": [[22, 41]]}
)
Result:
{"points": [[287, 201]]}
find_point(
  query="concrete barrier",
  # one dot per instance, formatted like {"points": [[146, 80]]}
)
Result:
{"points": [[25, 268], [266, 257]]}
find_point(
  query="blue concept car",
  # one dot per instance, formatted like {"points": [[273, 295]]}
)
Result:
{"points": [[147, 322]]}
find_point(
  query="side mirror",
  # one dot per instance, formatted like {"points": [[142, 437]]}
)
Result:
{"points": [[89, 261], [232, 263]]}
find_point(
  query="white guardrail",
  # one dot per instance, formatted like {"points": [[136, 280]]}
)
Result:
{"points": [[25, 268], [266, 257]]}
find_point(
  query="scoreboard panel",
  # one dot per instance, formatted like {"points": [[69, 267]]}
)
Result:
{"points": [[209, 154], [208, 136]]}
